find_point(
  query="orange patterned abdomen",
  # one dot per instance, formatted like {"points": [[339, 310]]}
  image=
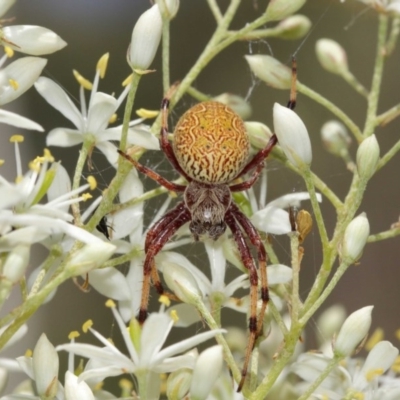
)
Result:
{"points": [[211, 143]]}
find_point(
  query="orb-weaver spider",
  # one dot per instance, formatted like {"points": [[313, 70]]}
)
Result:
{"points": [[210, 151]]}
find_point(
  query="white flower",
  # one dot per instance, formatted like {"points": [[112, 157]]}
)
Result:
{"points": [[10, 118], [332, 56], [355, 238], [92, 121], [368, 157], [144, 348], [16, 78], [384, 5], [292, 136]]}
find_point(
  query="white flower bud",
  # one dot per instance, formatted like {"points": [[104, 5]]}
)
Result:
{"points": [[368, 157], [3, 379], [89, 257], [237, 103], [280, 9], [353, 331], [181, 282], [294, 27], [206, 372], [355, 238], [335, 138], [33, 40], [259, 134], [16, 263], [172, 7], [146, 36], [330, 321], [332, 56], [178, 383], [45, 368], [270, 70], [292, 136]]}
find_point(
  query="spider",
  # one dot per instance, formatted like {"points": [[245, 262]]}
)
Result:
{"points": [[210, 151]]}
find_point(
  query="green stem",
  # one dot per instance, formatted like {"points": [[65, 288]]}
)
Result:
{"points": [[165, 53], [354, 83], [295, 300], [377, 76], [393, 35], [389, 155], [215, 10], [391, 233], [354, 129], [388, 116], [328, 369], [196, 94]]}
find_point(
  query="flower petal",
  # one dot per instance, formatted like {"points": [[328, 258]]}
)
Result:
{"points": [[75, 389], [55, 95], [63, 137], [10, 118], [101, 110], [33, 40], [23, 72], [110, 283]]}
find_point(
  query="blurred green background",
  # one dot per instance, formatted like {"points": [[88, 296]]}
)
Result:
{"points": [[94, 27]]}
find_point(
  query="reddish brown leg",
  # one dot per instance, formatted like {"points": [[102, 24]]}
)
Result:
{"points": [[292, 100], [165, 144], [153, 175], [248, 262], [160, 238], [239, 187], [256, 241]]}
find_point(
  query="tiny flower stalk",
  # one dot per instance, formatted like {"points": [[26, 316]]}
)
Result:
{"points": [[280, 9]]}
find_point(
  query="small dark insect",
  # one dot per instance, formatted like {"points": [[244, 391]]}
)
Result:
{"points": [[210, 151]]}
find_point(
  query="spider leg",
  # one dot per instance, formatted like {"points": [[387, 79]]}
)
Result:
{"points": [[159, 234], [165, 144], [293, 96], [256, 241], [253, 277], [153, 175]]}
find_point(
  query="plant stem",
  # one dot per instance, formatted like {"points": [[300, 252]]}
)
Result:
{"points": [[388, 156], [391, 233], [295, 300]]}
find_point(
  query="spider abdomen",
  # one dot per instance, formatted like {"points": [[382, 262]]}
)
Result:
{"points": [[211, 143]]}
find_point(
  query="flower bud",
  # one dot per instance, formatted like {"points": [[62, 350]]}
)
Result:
{"points": [[332, 56], [178, 383], [181, 282], [237, 103], [368, 157], [259, 134], [206, 372], [292, 136], [171, 7], [89, 257], [335, 138], [145, 40], [45, 368], [75, 389], [280, 9], [353, 331], [270, 70], [294, 27], [330, 321], [16, 263], [355, 238]]}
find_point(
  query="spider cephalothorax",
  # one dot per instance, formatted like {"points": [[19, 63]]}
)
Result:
{"points": [[210, 151]]}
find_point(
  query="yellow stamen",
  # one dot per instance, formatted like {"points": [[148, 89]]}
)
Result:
{"points": [[148, 114], [88, 324], [128, 80], [173, 194], [358, 396], [91, 180], [164, 300], [113, 118], [73, 335], [34, 166], [18, 179], [86, 196], [110, 303], [375, 338], [9, 51], [13, 83], [98, 385], [16, 139], [174, 315], [397, 334], [1, 162], [28, 353], [102, 65], [125, 384], [373, 373], [82, 81], [47, 156]]}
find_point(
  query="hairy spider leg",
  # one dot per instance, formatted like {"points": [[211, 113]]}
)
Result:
{"points": [[160, 238], [165, 144], [293, 96], [153, 175], [152, 233], [248, 262]]}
